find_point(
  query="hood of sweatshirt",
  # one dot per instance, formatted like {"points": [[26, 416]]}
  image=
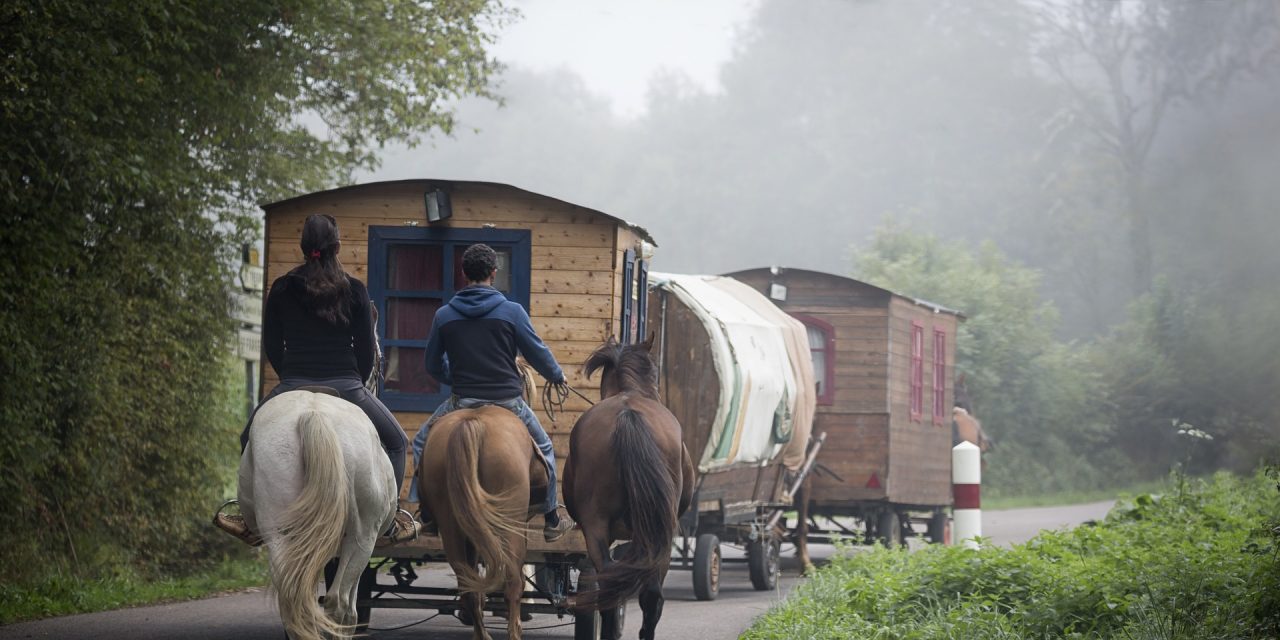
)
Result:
{"points": [[475, 301]]}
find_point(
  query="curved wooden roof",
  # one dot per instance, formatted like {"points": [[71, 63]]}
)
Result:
{"points": [[434, 182], [937, 308]]}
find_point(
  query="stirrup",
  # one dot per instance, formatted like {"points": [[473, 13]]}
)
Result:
{"points": [[397, 534], [235, 525]]}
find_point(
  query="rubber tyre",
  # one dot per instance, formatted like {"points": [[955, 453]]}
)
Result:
{"points": [[764, 563], [889, 529], [619, 619], [586, 626], [706, 567], [940, 528]]}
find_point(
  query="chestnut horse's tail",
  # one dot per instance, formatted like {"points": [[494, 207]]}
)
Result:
{"points": [[478, 513], [651, 497]]}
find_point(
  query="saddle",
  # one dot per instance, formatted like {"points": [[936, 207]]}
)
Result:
{"points": [[315, 388]]}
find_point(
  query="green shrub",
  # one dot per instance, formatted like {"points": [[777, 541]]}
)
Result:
{"points": [[1199, 561]]}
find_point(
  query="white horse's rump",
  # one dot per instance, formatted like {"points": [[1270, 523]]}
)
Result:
{"points": [[315, 483]]}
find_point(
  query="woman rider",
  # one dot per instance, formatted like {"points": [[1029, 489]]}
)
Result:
{"points": [[317, 330]]}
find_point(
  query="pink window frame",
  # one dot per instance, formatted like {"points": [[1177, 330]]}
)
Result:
{"points": [[828, 395], [939, 375], [917, 370]]}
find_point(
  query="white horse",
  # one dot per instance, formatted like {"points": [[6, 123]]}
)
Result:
{"points": [[315, 484]]}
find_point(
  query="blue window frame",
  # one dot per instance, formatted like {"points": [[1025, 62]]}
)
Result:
{"points": [[413, 271]]}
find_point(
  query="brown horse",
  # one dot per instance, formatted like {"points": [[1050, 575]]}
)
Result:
{"points": [[628, 477], [480, 477], [968, 429]]}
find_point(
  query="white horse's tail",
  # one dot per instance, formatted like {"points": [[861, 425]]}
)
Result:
{"points": [[311, 532]]}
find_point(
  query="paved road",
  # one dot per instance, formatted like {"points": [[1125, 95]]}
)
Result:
{"points": [[249, 615]]}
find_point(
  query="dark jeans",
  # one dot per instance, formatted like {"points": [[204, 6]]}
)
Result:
{"points": [[352, 390]]}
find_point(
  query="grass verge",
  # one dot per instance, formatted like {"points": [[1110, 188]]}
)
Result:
{"points": [[1200, 560], [995, 500], [61, 594]]}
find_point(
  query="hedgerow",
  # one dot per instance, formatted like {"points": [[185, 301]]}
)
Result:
{"points": [[1199, 561]]}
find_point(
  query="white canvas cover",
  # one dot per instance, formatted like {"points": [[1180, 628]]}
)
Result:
{"points": [[764, 388], [796, 338]]}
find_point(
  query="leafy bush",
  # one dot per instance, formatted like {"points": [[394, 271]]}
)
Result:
{"points": [[1197, 562]]}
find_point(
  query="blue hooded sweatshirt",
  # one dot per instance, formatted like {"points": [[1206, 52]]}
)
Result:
{"points": [[474, 341]]}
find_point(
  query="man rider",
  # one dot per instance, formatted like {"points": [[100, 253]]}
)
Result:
{"points": [[473, 346]]}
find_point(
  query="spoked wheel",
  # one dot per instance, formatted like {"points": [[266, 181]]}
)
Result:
{"points": [[763, 561], [706, 567]]}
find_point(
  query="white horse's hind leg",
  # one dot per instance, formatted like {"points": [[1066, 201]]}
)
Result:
{"points": [[340, 601]]}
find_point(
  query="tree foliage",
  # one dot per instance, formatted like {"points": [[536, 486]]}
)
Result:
{"points": [[137, 137], [1185, 359], [1129, 65], [1038, 398]]}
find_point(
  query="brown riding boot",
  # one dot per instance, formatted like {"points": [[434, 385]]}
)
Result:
{"points": [[236, 526], [403, 529]]}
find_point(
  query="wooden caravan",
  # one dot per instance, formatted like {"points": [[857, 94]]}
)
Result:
{"points": [[885, 365], [576, 270]]}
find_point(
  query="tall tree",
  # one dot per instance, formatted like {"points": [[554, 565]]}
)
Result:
{"points": [[137, 138], [1128, 65], [1036, 396]]}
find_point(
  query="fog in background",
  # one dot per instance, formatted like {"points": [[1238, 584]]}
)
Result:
{"points": [[967, 120]]}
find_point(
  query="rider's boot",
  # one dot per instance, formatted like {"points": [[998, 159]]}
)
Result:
{"points": [[556, 527], [236, 526], [403, 529]]}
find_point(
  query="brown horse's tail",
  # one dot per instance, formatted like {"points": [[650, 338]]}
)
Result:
{"points": [[478, 513], [651, 496]]}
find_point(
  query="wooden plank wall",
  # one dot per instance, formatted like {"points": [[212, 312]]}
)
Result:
{"points": [[575, 285], [857, 421], [920, 467]]}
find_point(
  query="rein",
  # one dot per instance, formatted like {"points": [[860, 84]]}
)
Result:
{"points": [[554, 395]]}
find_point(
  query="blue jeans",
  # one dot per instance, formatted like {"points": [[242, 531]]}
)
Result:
{"points": [[517, 406]]}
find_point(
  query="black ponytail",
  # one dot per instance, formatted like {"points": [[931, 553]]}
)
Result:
{"points": [[327, 286]]}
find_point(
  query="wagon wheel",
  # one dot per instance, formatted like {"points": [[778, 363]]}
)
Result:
{"points": [[706, 567], [586, 626], [889, 529], [617, 618], [940, 528], [763, 561]]}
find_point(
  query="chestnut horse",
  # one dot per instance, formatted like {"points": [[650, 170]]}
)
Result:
{"points": [[480, 478], [628, 477]]}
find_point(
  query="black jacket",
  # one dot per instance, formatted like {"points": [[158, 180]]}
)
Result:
{"points": [[299, 344], [474, 341]]}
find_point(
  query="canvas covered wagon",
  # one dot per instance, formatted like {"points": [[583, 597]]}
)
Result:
{"points": [[736, 373]]}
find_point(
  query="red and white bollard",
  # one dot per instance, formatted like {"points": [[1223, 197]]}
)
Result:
{"points": [[966, 483]]}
